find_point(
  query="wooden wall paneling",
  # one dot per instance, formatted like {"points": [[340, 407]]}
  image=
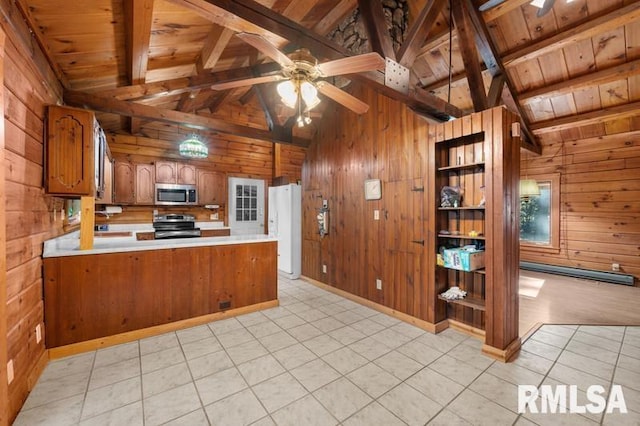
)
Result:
{"points": [[28, 86], [4, 397], [597, 208]]}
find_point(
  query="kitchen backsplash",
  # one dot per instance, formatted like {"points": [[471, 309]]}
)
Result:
{"points": [[144, 214]]}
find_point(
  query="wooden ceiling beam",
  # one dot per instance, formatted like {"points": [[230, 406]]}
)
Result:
{"points": [[469, 53], [594, 117], [217, 101], [502, 9], [298, 9], [495, 91], [566, 87], [222, 13], [335, 16], [249, 13], [374, 21], [607, 22], [139, 16], [130, 109], [528, 141], [266, 105], [182, 85], [214, 45], [418, 33]]}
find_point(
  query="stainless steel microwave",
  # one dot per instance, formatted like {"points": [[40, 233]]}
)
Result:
{"points": [[172, 194]]}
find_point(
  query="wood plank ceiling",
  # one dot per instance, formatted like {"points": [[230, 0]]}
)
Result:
{"points": [[572, 71]]}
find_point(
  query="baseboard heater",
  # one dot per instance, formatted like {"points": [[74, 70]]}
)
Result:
{"points": [[609, 277]]}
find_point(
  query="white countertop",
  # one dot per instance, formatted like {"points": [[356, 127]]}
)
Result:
{"points": [[69, 244]]}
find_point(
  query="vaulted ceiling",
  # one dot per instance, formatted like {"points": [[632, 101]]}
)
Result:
{"points": [[569, 69]]}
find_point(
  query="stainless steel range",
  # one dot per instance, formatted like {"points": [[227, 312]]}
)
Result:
{"points": [[175, 226]]}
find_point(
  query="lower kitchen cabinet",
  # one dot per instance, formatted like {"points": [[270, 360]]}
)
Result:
{"points": [[93, 296]]}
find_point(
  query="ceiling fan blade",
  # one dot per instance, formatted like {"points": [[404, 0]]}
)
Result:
{"points": [[342, 97], [548, 5], [352, 64], [490, 4], [232, 84], [264, 46]]}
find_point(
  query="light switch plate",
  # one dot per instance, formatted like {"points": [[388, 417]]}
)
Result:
{"points": [[38, 333], [10, 371], [376, 215]]}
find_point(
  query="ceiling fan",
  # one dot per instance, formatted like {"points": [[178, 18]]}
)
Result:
{"points": [[301, 77], [544, 6]]}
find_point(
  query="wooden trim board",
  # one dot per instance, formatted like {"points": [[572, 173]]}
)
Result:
{"points": [[103, 342], [503, 355], [425, 325]]}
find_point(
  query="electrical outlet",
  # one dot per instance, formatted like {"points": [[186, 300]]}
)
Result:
{"points": [[378, 284], [38, 333], [615, 267], [10, 371], [376, 215], [324, 269]]}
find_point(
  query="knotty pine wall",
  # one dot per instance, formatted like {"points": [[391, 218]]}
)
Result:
{"points": [[28, 86], [388, 143], [600, 195], [231, 155]]}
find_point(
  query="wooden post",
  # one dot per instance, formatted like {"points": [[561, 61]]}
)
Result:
{"points": [[87, 222], [277, 166]]}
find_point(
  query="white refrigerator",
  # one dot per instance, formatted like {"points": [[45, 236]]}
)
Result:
{"points": [[285, 223]]}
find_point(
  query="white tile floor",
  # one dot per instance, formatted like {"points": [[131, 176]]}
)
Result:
{"points": [[320, 359]]}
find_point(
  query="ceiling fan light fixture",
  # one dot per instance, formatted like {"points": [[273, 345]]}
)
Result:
{"points": [[288, 93], [538, 3], [309, 94]]}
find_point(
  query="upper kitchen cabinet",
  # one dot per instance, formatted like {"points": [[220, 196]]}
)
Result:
{"points": [[134, 183], [124, 182], [75, 147], [212, 187], [145, 184], [172, 172]]}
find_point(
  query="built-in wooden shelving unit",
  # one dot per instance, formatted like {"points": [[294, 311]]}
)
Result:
{"points": [[478, 155]]}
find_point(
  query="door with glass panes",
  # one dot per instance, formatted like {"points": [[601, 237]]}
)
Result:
{"points": [[246, 206]]}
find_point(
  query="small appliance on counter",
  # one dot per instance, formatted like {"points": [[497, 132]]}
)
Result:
{"points": [[175, 226]]}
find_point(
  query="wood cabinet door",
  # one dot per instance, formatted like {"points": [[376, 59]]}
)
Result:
{"points": [[70, 151], [212, 187], [124, 175], [166, 172], [186, 174], [145, 182]]}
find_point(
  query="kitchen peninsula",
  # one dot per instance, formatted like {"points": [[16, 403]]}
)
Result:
{"points": [[126, 285]]}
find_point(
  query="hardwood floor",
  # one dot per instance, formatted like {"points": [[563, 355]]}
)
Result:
{"points": [[554, 299]]}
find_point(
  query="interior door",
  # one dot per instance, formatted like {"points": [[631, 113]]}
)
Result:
{"points": [[246, 206]]}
